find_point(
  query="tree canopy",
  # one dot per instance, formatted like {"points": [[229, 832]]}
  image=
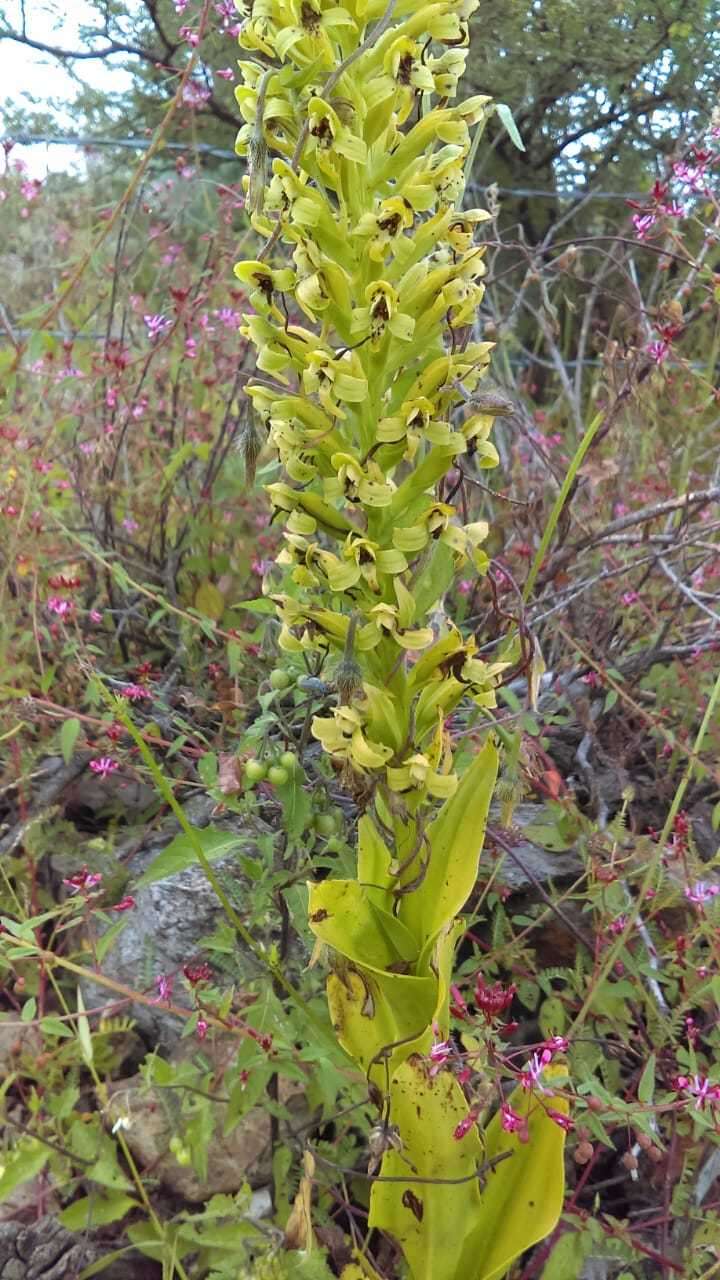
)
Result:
{"points": [[598, 91]]}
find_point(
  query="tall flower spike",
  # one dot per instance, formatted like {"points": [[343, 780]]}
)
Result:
{"points": [[363, 293]]}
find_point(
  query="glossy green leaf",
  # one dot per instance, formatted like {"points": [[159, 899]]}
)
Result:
{"points": [[373, 1011], [356, 921], [429, 1220], [456, 839], [508, 120], [96, 1211], [68, 737], [21, 1164], [180, 852], [568, 1256], [523, 1195], [646, 1086]]}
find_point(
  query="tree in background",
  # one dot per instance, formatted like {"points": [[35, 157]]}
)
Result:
{"points": [[598, 91]]}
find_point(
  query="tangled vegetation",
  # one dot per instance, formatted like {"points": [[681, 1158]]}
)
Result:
{"points": [[294, 562]]}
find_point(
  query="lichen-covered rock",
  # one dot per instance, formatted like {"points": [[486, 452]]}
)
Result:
{"points": [[171, 916], [44, 1250], [151, 1116]]}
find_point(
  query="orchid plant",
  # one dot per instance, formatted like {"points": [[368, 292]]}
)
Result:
{"points": [[367, 385]]}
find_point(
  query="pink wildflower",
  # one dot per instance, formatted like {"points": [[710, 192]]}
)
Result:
{"points": [[195, 94], [701, 892], [196, 973], [171, 254], [134, 692], [658, 351], [228, 317], [692, 176], [95, 615], [104, 766], [463, 1128], [629, 597], [202, 1028], [531, 1076], [83, 881], [31, 188], [643, 222], [125, 904], [511, 1122], [702, 1091], [593, 679], [156, 325], [556, 1044], [560, 1119], [164, 985], [440, 1051], [62, 608], [494, 1000], [225, 73]]}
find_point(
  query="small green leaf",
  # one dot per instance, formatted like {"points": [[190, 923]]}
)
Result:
{"points": [[181, 852], [508, 120], [646, 1086], [568, 1256], [107, 1172], [96, 1211], [68, 738], [259, 605], [107, 939], [552, 1017], [207, 767], [296, 806], [46, 679], [24, 1162], [210, 601], [54, 1027], [29, 1010]]}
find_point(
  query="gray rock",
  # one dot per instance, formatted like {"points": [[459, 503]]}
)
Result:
{"points": [[44, 1250], [150, 1115], [529, 864], [164, 929]]}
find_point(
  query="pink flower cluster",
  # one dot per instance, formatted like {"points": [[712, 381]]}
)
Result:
{"points": [[195, 94], [134, 692], [104, 766], [156, 325], [701, 892], [83, 881], [659, 205], [699, 1088], [531, 1076], [60, 607]]}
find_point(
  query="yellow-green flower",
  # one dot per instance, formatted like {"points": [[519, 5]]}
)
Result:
{"points": [[342, 736], [382, 314], [265, 282], [334, 381]]}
